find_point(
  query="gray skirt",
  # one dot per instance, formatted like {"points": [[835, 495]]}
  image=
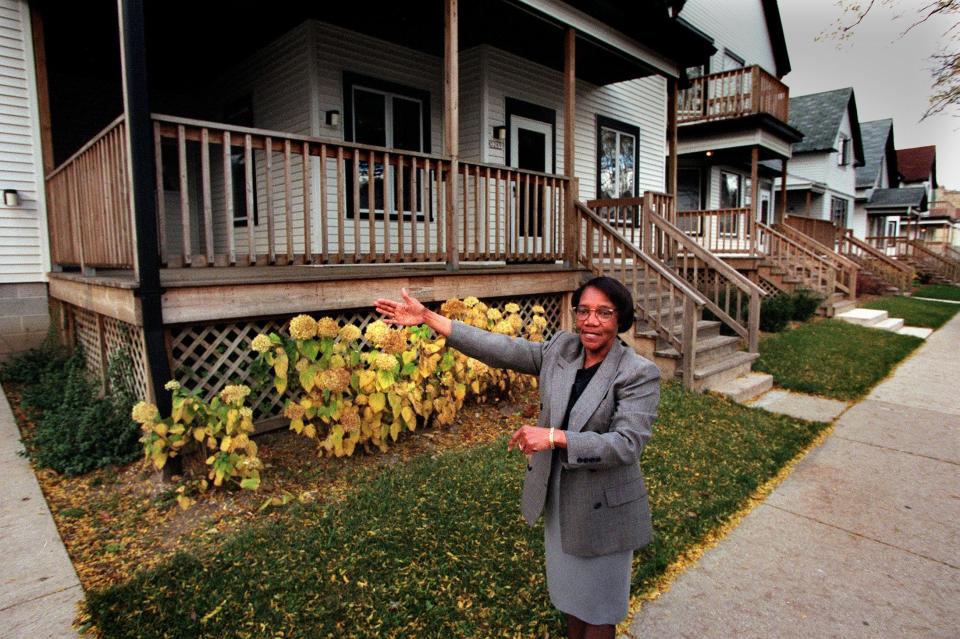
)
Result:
{"points": [[593, 589]]}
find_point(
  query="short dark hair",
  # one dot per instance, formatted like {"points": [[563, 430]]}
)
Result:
{"points": [[617, 293]]}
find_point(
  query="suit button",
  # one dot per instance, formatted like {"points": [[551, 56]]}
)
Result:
{"points": [[597, 505], [529, 467], [579, 460]]}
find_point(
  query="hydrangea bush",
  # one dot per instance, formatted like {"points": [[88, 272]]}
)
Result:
{"points": [[341, 391]]}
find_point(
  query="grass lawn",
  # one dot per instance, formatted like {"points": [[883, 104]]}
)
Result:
{"points": [[939, 291], [832, 358], [436, 547], [915, 312]]}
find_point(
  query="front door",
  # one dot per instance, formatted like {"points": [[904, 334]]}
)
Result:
{"points": [[531, 148]]}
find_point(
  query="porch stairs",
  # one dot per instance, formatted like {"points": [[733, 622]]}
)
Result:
{"points": [[671, 329]]}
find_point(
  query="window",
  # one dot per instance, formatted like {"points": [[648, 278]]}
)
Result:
{"points": [[891, 228], [843, 151], [240, 113], [617, 155], [838, 211], [390, 115], [689, 199], [731, 197]]}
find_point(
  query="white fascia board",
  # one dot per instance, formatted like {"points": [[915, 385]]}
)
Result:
{"points": [[602, 32]]}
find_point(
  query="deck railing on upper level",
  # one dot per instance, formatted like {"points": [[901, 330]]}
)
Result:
{"points": [[733, 94], [88, 211]]}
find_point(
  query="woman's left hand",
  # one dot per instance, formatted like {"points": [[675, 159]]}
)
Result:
{"points": [[530, 439]]}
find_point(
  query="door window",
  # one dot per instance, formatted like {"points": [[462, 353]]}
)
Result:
{"points": [[616, 159], [531, 149], [731, 197]]}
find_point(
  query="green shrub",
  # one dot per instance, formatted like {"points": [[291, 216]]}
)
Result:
{"points": [[75, 430], [805, 304], [775, 312], [29, 367]]}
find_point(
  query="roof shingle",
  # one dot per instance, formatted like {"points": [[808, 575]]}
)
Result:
{"points": [[875, 135], [916, 164]]}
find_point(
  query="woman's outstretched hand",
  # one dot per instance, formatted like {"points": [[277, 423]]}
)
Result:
{"points": [[409, 312]]}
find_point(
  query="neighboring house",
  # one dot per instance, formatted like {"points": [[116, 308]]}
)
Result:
{"points": [[878, 173], [946, 206], [918, 167], [821, 180], [24, 259], [733, 118]]}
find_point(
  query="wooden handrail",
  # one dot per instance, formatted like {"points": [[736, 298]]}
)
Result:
{"points": [[846, 269], [83, 149], [895, 273], [673, 245], [816, 272], [604, 251], [942, 265]]}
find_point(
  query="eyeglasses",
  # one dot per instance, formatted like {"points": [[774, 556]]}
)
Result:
{"points": [[603, 314]]}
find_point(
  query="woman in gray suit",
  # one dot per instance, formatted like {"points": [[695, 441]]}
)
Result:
{"points": [[598, 400]]}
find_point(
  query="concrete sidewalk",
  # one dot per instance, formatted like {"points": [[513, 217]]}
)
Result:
{"points": [[38, 586], [861, 540]]}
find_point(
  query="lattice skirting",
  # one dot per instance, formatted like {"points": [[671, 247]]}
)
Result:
{"points": [[210, 356], [102, 337]]}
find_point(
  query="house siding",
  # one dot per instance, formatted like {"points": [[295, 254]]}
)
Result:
{"points": [[24, 258], [739, 27]]}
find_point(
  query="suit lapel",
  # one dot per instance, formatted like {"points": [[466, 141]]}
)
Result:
{"points": [[561, 385], [596, 389]]}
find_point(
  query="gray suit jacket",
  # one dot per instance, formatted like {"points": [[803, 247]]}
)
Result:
{"points": [[603, 500]]}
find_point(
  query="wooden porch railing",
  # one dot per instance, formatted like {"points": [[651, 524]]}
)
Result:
{"points": [[944, 249], [328, 202], [923, 258], [645, 223], [894, 273], [88, 211], [814, 272], [823, 231], [733, 94], [720, 230], [663, 300], [845, 270]]}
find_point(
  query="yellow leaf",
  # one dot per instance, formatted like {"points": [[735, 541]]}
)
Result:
{"points": [[475, 387], [395, 429], [459, 391], [199, 434], [378, 401], [408, 356], [296, 425], [310, 431], [184, 502], [281, 364], [226, 444], [280, 383], [407, 413], [159, 459]]}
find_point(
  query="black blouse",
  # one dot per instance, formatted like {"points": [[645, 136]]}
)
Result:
{"points": [[584, 375]]}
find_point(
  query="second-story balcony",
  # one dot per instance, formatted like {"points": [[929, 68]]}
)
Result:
{"points": [[733, 94]]}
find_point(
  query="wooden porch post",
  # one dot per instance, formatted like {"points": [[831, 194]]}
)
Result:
{"points": [[143, 206], [672, 138], [809, 202], [451, 128], [783, 191], [569, 147], [43, 90], [754, 195]]}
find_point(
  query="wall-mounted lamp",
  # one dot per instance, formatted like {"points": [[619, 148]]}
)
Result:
{"points": [[11, 197], [709, 153], [333, 118], [500, 132]]}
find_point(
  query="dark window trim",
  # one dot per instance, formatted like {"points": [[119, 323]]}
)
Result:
{"points": [[623, 127], [351, 79], [513, 106]]}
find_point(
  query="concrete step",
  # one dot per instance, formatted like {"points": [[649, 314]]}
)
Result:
{"points": [[842, 306], [892, 324], [730, 367], [915, 331], [863, 316], [744, 388]]}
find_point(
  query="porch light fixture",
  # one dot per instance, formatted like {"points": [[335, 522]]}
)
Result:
{"points": [[709, 153], [500, 132], [333, 118], [11, 198]]}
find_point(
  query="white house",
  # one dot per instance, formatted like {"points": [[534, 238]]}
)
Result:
{"points": [[24, 258], [821, 180], [879, 171]]}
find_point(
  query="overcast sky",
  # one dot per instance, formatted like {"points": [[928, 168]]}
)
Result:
{"points": [[890, 74]]}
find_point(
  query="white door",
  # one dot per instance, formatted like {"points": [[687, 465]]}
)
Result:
{"points": [[531, 148]]}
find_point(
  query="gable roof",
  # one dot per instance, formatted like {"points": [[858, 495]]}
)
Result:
{"points": [[918, 163], [818, 117], [877, 139], [778, 42]]}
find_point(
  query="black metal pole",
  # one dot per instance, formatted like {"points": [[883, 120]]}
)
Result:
{"points": [[136, 105]]}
